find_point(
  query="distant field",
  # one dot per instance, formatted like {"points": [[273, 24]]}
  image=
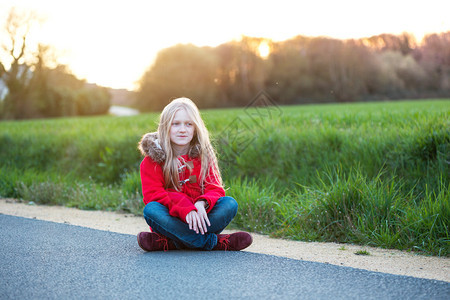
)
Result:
{"points": [[368, 173]]}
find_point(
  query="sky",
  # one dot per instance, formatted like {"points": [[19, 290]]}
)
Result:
{"points": [[112, 43]]}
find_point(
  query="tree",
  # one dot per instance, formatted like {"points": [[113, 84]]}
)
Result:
{"points": [[289, 80], [182, 70], [228, 75], [17, 76], [321, 69], [35, 90], [434, 57], [241, 72], [404, 43]]}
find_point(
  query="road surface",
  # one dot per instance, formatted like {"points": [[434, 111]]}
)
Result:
{"points": [[46, 260]]}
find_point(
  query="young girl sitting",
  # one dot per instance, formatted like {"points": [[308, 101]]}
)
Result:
{"points": [[185, 203]]}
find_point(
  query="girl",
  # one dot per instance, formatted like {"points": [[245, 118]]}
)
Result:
{"points": [[185, 203]]}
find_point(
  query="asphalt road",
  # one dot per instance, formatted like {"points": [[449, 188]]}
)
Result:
{"points": [[46, 260]]}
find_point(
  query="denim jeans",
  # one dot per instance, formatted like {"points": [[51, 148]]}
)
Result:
{"points": [[157, 217]]}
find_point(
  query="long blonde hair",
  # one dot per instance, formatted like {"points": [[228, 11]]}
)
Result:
{"points": [[200, 140]]}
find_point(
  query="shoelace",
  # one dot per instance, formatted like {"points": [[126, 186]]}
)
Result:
{"points": [[163, 240], [224, 240]]}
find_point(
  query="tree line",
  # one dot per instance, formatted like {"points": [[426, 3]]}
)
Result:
{"points": [[300, 70], [32, 86], [297, 71]]}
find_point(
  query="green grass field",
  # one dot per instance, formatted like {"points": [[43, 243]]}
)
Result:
{"points": [[367, 173]]}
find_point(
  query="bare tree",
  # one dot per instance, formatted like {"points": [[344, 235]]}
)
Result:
{"points": [[14, 70]]}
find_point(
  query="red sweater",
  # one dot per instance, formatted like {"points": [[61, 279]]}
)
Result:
{"points": [[178, 203]]}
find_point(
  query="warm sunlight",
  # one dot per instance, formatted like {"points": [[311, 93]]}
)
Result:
{"points": [[264, 49], [113, 43]]}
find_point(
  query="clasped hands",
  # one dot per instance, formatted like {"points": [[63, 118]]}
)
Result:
{"points": [[198, 220]]}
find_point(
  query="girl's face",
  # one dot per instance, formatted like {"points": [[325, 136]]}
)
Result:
{"points": [[182, 129]]}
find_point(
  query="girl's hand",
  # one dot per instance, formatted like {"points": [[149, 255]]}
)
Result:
{"points": [[197, 220], [194, 221], [203, 216]]}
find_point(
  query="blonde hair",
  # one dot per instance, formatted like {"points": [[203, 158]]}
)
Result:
{"points": [[200, 140]]}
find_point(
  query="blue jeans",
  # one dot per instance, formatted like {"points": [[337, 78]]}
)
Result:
{"points": [[157, 217]]}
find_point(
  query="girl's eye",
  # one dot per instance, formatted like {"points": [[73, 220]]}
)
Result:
{"points": [[175, 123]]}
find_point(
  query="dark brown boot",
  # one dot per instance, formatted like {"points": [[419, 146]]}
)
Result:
{"points": [[151, 241], [233, 242]]}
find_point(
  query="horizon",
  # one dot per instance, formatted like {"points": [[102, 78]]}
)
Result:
{"points": [[116, 42]]}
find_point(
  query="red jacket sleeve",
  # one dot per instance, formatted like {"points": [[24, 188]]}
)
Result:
{"points": [[152, 181], [213, 191]]}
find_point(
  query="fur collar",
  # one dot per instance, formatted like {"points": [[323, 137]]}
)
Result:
{"points": [[150, 146]]}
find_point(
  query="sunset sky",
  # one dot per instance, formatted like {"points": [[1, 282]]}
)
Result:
{"points": [[112, 42]]}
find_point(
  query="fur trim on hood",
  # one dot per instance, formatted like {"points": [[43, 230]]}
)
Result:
{"points": [[149, 146]]}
